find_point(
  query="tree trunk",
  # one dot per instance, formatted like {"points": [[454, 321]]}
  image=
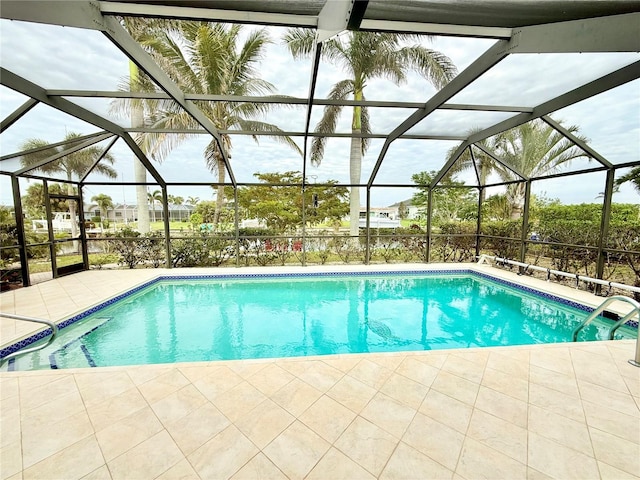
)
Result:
{"points": [[355, 167], [222, 171], [139, 170]]}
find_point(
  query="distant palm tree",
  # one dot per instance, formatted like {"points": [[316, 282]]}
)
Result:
{"points": [[205, 58], [193, 201], [535, 149], [155, 196], [633, 176], [365, 56], [77, 163], [104, 202]]}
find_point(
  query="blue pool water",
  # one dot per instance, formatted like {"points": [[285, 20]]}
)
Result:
{"points": [[222, 319]]}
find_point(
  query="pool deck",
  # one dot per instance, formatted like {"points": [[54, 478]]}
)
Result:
{"points": [[527, 412]]}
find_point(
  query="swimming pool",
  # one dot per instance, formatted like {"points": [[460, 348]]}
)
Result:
{"points": [[222, 317]]}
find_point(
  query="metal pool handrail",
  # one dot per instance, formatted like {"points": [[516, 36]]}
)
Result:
{"points": [[54, 332]]}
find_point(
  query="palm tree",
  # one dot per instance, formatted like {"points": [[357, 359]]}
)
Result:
{"points": [[193, 201], [204, 58], [632, 176], [365, 56], [104, 202], [153, 197], [77, 163], [535, 149]]}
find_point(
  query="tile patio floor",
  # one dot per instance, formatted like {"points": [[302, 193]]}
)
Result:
{"points": [[530, 412]]}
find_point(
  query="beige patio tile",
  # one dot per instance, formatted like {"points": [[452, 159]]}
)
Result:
{"points": [[49, 438], [107, 385], [8, 388], [223, 455], [144, 373], [436, 440], [247, 368], [556, 402], [296, 450], [149, 459], [433, 358], [499, 434], [118, 437], [115, 408], [633, 384], [239, 401], [73, 462], [265, 422], [163, 385], [218, 381], [589, 367], [296, 396], [456, 387], [60, 407], [478, 461], [40, 394], [556, 381], [611, 421], [463, 367], [506, 383], [270, 379], [567, 432], [197, 428], [178, 404], [10, 460], [554, 359], [447, 410], [417, 371], [618, 401], [344, 363], [607, 472], [371, 373], [513, 362], [387, 360], [559, 461], [180, 471], [10, 428], [367, 445], [317, 374], [336, 465], [405, 390], [502, 406], [100, 473], [352, 393], [327, 418], [533, 474], [259, 468], [615, 451], [408, 463], [388, 414]]}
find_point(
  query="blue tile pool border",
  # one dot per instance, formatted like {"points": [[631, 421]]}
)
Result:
{"points": [[8, 350]]}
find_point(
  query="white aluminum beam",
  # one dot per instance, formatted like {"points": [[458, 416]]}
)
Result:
{"points": [[615, 33], [333, 19], [207, 14], [47, 147], [500, 161], [436, 29], [68, 13]]}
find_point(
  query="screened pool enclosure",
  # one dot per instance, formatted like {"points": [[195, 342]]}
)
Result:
{"points": [[131, 137]]}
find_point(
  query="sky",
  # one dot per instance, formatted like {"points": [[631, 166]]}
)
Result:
{"points": [[68, 58]]}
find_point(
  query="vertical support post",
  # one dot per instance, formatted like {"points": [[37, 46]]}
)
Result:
{"points": [[167, 230], [304, 223], [429, 211], [237, 224], [367, 256], [52, 245], [83, 231], [525, 221], [604, 225], [22, 243], [479, 220]]}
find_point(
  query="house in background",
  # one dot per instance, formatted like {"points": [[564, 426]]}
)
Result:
{"points": [[125, 213]]}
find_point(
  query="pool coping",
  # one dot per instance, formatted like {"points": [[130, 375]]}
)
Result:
{"points": [[309, 272]]}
